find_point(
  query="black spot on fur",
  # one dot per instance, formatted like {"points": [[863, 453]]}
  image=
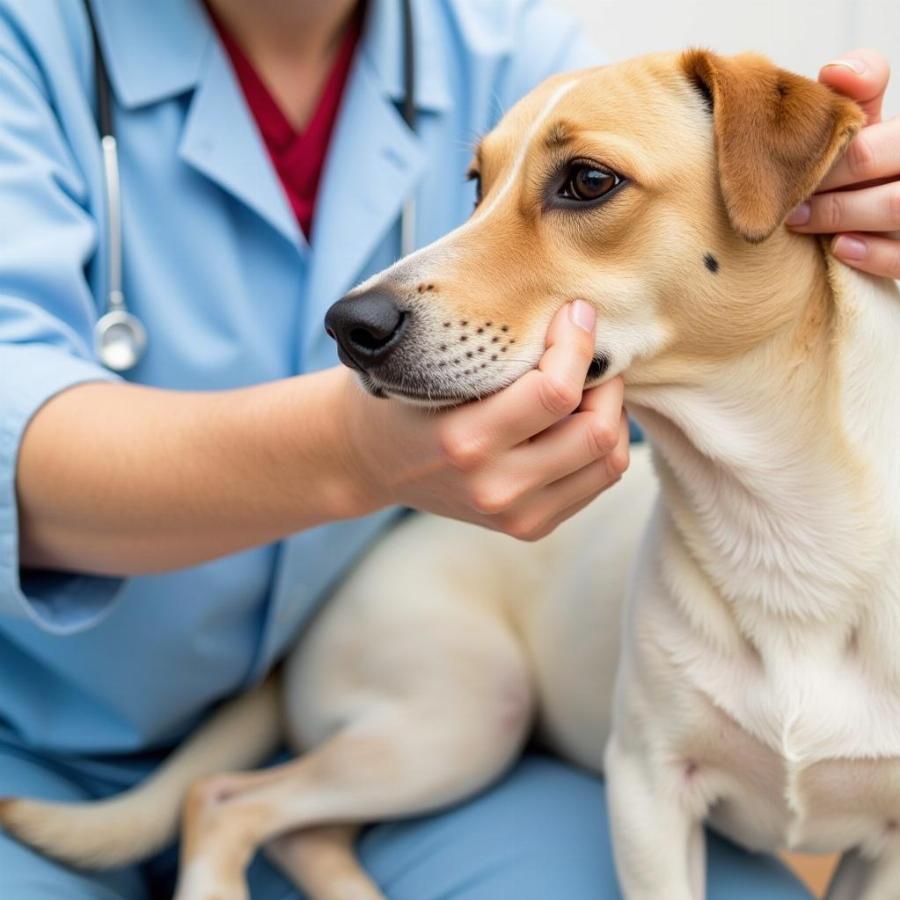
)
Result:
{"points": [[599, 365], [711, 263]]}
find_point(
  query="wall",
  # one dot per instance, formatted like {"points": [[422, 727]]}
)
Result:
{"points": [[798, 34]]}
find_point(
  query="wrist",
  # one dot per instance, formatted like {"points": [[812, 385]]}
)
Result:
{"points": [[358, 490]]}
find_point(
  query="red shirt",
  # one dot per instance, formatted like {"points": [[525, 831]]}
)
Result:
{"points": [[298, 156]]}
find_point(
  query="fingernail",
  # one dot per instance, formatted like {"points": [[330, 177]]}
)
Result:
{"points": [[800, 215], [849, 247], [582, 314], [854, 65]]}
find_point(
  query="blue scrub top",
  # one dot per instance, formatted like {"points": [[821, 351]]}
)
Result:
{"points": [[231, 294]]}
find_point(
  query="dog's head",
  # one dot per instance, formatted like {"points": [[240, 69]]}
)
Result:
{"points": [[655, 189]]}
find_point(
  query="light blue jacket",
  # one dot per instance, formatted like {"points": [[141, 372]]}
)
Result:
{"points": [[230, 293]]}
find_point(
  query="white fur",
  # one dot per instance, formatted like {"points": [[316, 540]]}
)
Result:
{"points": [[763, 629]]}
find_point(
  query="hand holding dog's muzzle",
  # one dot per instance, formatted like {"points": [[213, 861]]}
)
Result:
{"points": [[521, 461]]}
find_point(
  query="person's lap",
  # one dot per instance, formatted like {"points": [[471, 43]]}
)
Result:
{"points": [[540, 833]]}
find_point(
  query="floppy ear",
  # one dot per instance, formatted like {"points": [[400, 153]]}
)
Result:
{"points": [[777, 135]]}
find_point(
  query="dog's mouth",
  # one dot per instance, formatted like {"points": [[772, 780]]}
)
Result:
{"points": [[425, 395], [418, 395]]}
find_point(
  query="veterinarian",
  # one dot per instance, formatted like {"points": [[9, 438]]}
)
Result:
{"points": [[165, 534]]}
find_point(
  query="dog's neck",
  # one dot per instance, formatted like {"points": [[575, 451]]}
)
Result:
{"points": [[780, 469]]}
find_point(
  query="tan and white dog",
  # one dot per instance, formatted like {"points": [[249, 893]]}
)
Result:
{"points": [[758, 686]]}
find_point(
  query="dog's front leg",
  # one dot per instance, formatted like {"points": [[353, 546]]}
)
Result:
{"points": [[860, 877], [658, 843]]}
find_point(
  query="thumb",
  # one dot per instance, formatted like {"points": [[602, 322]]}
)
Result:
{"points": [[862, 75]]}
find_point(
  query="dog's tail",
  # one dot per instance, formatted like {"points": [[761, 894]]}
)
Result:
{"points": [[141, 821]]}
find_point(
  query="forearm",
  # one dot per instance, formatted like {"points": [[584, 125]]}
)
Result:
{"points": [[122, 480]]}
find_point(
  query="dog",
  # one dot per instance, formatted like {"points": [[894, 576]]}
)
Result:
{"points": [[752, 679]]}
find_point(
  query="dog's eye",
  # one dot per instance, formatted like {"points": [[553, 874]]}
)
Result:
{"points": [[588, 182], [474, 175]]}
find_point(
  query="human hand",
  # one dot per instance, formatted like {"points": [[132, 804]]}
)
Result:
{"points": [[521, 461], [859, 200]]}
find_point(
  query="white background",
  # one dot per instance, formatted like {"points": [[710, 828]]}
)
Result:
{"points": [[797, 34]]}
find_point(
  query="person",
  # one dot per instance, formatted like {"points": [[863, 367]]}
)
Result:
{"points": [[165, 535]]}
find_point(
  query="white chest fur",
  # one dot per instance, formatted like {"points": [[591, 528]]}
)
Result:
{"points": [[765, 622]]}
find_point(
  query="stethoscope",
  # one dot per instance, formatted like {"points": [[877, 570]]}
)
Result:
{"points": [[119, 335]]}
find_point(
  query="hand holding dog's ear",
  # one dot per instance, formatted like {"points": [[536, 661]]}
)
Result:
{"points": [[776, 135], [865, 220]]}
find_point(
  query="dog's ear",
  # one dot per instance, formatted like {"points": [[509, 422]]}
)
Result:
{"points": [[777, 135]]}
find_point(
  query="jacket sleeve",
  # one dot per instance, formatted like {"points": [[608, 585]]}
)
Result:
{"points": [[47, 313]]}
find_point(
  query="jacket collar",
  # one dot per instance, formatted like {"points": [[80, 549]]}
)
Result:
{"points": [[157, 50], [352, 216], [153, 51]]}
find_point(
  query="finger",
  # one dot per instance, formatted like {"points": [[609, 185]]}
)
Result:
{"points": [[862, 75], [607, 396], [874, 153], [868, 209], [590, 434], [870, 253], [544, 395], [552, 504], [555, 503]]}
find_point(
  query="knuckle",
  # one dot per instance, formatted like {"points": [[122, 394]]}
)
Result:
{"points": [[602, 436], [527, 530], [558, 397], [617, 462], [462, 449], [489, 500], [831, 210], [861, 159]]}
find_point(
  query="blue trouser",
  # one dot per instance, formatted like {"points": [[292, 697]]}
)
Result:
{"points": [[541, 834]]}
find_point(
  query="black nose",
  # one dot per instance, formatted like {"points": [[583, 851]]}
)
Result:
{"points": [[366, 328]]}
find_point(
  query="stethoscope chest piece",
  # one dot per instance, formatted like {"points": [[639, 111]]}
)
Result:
{"points": [[120, 339]]}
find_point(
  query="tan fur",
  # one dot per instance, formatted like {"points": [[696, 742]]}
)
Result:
{"points": [[777, 135]]}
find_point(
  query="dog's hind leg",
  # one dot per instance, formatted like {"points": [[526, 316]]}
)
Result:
{"points": [[322, 863], [362, 774], [455, 722]]}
